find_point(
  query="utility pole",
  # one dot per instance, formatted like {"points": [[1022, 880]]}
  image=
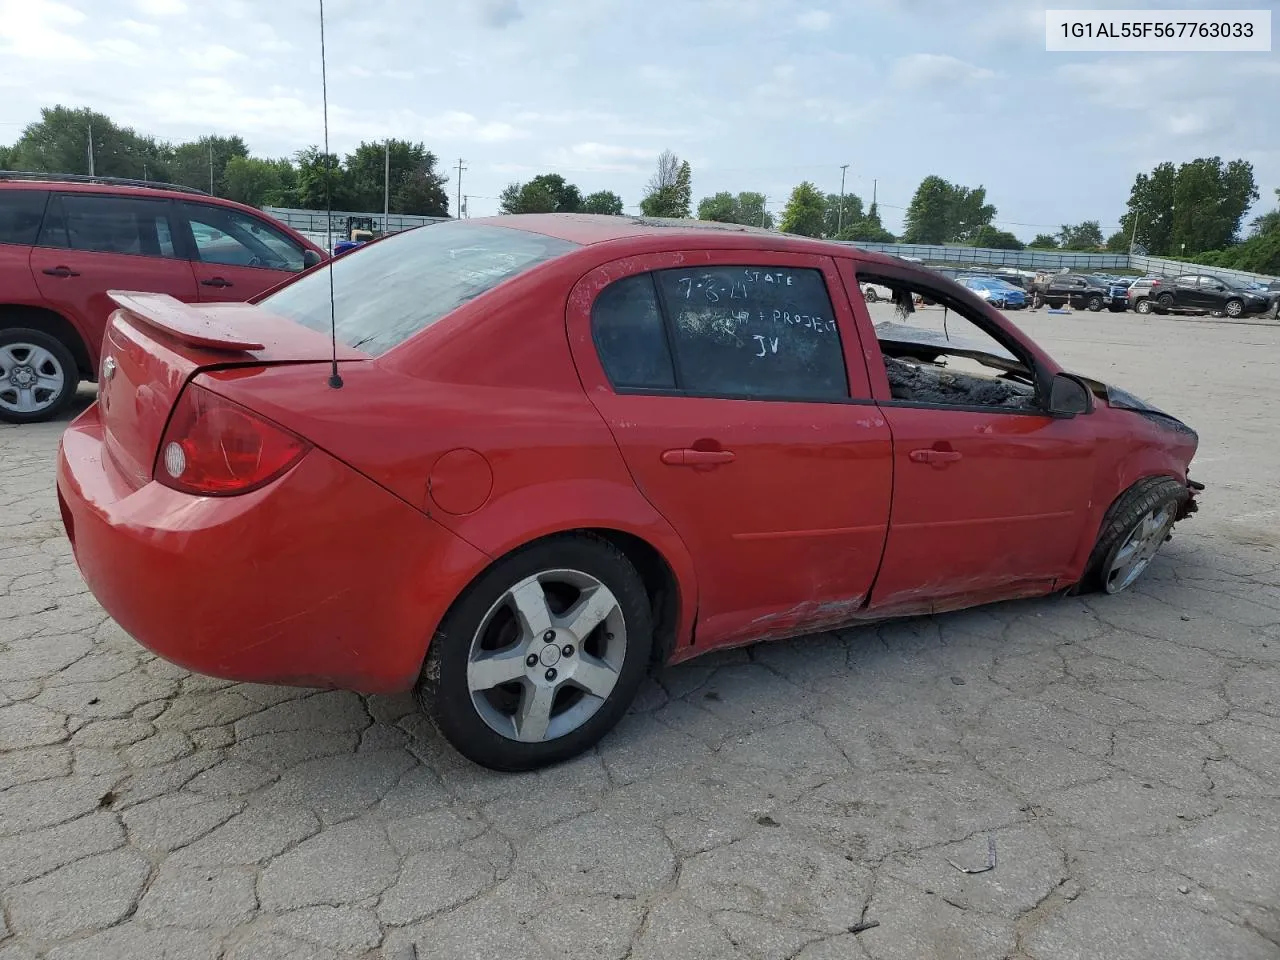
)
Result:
{"points": [[840, 213], [764, 212], [874, 184], [460, 169], [1133, 235], [91, 145], [466, 200], [386, 189]]}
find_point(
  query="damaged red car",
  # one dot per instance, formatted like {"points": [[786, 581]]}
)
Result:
{"points": [[512, 463]]}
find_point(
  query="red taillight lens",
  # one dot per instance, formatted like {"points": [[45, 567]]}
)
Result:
{"points": [[215, 447]]}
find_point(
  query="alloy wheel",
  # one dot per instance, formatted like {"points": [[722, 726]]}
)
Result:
{"points": [[1138, 549], [546, 656], [31, 378]]}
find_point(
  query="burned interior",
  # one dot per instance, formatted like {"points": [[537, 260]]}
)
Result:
{"points": [[943, 367]]}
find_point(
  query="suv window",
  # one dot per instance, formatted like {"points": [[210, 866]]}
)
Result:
{"points": [[107, 224], [20, 215], [397, 286], [235, 239]]}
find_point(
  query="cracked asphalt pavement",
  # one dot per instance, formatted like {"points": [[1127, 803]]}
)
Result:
{"points": [[1123, 752]]}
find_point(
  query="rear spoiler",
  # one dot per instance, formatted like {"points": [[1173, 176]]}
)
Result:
{"points": [[189, 323]]}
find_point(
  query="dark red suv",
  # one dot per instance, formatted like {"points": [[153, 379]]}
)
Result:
{"points": [[66, 241]]}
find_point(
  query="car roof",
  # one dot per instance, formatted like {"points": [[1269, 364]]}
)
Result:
{"points": [[587, 229], [73, 186]]}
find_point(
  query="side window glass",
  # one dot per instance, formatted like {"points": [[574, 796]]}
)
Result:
{"points": [[20, 214], [226, 236], [630, 339], [754, 332], [107, 224], [935, 353]]}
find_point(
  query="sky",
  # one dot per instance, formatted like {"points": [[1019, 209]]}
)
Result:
{"points": [[755, 94]]}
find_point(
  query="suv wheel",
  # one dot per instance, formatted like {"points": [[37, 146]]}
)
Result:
{"points": [[1165, 300], [38, 376], [1095, 303], [1142, 306], [1234, 308]]}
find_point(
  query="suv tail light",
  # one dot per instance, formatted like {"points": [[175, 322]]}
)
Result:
{"points": [[214, 447]]}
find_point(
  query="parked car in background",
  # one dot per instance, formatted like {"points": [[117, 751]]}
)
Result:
{"points": [[1117, 299], [997, 292], [65, 241], [1201, 293], [741, 454], [1076, 290], [873, 292]]}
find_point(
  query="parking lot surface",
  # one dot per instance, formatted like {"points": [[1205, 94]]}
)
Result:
{"points": [[1119, 755]]}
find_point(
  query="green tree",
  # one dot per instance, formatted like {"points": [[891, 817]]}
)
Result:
{"points": [[942, 212], [1080, 236], [1118, 242], [321, 179], [869, 229], [545, 193], [805, 212], [203, 163], [746, 208], [366, 173], [59, 142], [670, 190], [721, 207], [994, 239], [6, 158], [421, 194], [260, 183], [1209, 201], [1044, 241], [832, 222], [603, 201]]}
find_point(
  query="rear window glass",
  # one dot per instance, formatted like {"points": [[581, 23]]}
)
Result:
{"points": [[20, 214], [390, 290]]}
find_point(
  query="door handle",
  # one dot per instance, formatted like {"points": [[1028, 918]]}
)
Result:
{"points": [[216, 282], [935, 456], [60, 272], [688, 457]]}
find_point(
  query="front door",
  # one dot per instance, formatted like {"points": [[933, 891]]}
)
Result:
{"points": [[237, 255], [736, 390], [93, 242], [990, 494]]}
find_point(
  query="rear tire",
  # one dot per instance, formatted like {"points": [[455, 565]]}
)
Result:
{"points": [[38, 376], [1142, 306], [541, 710], [1142, 518]]}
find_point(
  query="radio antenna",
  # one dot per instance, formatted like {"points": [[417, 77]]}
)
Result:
{"points": [[335, 378]]}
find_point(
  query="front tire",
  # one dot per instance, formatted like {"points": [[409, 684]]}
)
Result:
{"points": [[1234, 308], [1133, 530], [1165, 300], [1095, 304], [870, 295], [541, 656], [38, 376]]}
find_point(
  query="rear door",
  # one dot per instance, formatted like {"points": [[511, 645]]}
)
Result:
{"points": [[94, 242], [237, 255], [735, 388]]}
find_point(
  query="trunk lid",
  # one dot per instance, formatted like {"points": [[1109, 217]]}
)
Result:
{"points": [[154, 344]]}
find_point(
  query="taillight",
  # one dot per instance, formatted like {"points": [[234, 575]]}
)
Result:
{"points": [[214, 447]]}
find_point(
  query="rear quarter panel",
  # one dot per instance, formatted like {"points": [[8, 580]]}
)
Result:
{"points": [[481, 422]]}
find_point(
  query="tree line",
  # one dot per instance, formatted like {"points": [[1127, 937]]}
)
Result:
{"points": [[81, 141], [1192, 211]]}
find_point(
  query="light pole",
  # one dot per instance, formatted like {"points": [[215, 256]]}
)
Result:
{"points": [[840, 214]]}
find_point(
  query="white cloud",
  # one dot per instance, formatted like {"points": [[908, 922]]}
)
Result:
{"points": [[814, 20], [162, 8], [924, 71], [603, 157], [213, 58], [39, 30], [458, 125]]}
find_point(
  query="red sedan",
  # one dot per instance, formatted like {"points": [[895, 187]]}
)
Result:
{"points": [[543, 453]]}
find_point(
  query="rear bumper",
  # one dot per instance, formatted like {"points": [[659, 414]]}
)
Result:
{"points": [[321, 578]]}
